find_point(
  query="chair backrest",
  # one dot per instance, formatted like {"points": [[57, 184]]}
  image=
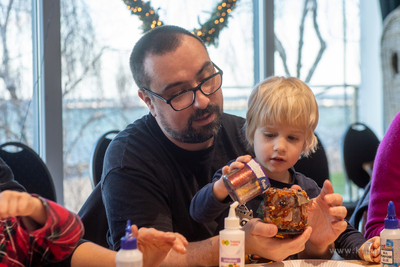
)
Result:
{"points": [[315, 166], [360, 211], [94, 218], [359, 146], [97, 157], [28, 169]]}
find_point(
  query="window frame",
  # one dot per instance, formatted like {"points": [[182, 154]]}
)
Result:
{"points": [[47, 92]]}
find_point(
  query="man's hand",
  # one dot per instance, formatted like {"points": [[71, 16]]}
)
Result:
{"points": [[261, 240], [326, 217], [155, 245]]}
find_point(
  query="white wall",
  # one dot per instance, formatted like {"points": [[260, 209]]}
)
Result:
{"points": [[370, 109]]}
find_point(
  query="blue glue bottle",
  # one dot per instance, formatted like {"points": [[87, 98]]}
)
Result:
{"points": [[129, 255], [390, 239]]}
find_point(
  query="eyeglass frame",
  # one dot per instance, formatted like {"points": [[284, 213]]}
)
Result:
{"points": [[194, 90]]}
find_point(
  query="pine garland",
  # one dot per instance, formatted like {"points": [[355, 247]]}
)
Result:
{"points": [[208, 32]]}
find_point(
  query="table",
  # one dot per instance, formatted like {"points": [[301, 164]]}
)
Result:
{"points": [[358, 262]]}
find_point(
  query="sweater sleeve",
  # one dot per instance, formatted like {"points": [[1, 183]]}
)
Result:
{"points": [[7, 181], [204, 207], [57, 239], [349, 242], [385, 180]]}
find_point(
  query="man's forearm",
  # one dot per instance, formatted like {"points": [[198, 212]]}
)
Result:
{"points": [[313, 252], [90, 254], [201, 253]]}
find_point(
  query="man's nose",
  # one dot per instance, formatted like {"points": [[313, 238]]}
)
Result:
{"points": [[201, 101]]}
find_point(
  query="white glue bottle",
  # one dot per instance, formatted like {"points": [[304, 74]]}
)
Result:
{"points": [[231, 241], [129, 255], [390, 239]]}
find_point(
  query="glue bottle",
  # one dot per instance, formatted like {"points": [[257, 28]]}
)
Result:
{"points": [[231, 241], [390, 239], [129, 255]]}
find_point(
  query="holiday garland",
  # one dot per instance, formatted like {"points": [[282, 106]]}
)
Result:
{"points": [[208, 32]]}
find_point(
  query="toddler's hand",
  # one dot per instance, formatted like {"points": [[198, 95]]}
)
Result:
{"points": [[155, 245], [13, 203], [236, 165], [370, 251]]}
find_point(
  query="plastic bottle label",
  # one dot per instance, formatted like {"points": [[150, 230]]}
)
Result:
{"points": [[231, 252], [390, 253]]}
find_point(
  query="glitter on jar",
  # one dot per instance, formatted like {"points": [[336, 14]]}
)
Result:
{"points": [[246, 183]]}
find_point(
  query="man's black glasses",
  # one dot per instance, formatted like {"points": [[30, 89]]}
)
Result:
{"points": [[186, 98]]}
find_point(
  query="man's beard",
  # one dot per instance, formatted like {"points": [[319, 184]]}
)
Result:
{"points": [[200, 135]]}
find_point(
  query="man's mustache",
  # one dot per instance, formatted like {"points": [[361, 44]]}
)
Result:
{"points": [[201, 112]]}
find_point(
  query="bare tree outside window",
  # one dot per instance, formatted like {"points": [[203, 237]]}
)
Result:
{"points": [[15, 71], [81, 60], [317, 41]]}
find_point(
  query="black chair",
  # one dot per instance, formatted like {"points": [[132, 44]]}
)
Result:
{"points": [[94, 218], [93, 212], [315, 166], [359, 147], [361, 210], [28, 169], [97, 157]]}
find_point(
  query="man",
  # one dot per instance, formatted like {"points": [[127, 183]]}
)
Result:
{"points": [[154, 167]]}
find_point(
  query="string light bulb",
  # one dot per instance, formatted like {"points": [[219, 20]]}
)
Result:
{"points": [[208, 32]]}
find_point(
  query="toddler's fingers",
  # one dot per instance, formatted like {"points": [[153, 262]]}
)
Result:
{"points": [[148, 234], [182, 238], [244, 158], [135, 230], [296, 187], [180, 244], [179, 248], [235, 165], [377, 259], [225, 170]]}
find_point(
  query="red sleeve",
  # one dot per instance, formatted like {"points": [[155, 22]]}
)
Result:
{"points": [[57, 239]]}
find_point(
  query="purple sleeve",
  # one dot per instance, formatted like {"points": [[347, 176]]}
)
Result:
{"points": [[385, 180]]}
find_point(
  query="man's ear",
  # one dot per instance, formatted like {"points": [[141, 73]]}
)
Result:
{"points": [[147, 99]]}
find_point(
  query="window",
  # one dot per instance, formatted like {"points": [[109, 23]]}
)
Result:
{"points": [[318, 42], [98, 92], [16, 84]]}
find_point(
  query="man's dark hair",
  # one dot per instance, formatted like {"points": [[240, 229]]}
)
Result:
{"points": [[158, 41]]}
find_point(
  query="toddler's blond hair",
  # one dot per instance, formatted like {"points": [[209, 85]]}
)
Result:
{"points": [[286, 102]]}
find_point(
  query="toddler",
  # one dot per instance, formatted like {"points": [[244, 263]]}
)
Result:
{"points": [[280, 122]]}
